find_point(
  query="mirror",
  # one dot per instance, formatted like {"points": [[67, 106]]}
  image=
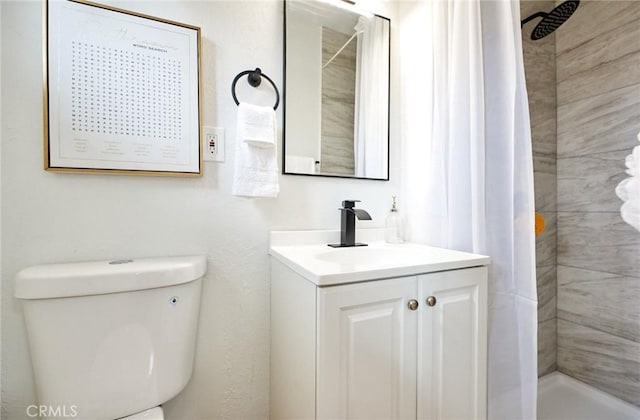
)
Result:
{"points": [[336, 90]]}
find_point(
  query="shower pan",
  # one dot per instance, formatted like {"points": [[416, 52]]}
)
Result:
{"points": [[584, 95]]}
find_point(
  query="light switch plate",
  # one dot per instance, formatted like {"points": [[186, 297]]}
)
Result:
{"points": [[213, 144]]}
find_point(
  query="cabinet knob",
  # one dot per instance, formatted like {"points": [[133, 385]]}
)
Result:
{"points": [[413, 304], [431, 301]]}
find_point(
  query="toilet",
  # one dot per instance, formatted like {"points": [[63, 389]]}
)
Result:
{"points": [[111, 339]]}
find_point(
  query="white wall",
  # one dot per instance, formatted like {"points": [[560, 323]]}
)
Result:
{"points": [[414, 19], [49, 217]]}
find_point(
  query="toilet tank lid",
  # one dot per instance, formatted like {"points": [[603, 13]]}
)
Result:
{"points": [[102, 277]]}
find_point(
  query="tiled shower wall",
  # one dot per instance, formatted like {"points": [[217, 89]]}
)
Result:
{"points": [[589, 304], [539, 63], [338, 104], [598, 93]]}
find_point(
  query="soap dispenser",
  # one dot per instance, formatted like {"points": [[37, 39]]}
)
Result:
{"points": [[393, 225]]}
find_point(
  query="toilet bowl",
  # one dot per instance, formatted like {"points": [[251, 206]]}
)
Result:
{"points": [[154, 413], [112, 339]]}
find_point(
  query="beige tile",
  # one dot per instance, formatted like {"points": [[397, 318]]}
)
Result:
{"points": [[598, 242], [339, 83], [338, 96], [339, 76], [540, 75], [546, 347], [546, 242], [539, 63], [604, 301], [602, 360], [602, 77], [592, 19], [544, 139], [337, 119], [338, 87], [546, 279], [607, 62], [332, 41], [544, 163], [336, 156], [603, 123], [542, 99], [587, 183], [545, 189], [529, 7]]}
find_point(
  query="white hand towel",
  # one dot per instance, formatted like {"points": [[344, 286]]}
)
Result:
{"points": [[300, 164], [256, 161], [258, 125]]}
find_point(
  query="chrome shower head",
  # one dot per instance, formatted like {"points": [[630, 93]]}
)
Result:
{"points": [[552, 20]]}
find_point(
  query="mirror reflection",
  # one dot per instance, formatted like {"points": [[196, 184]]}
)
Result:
{"points": [[336, 90]]}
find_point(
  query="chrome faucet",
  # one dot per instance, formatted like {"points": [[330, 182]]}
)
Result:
{"points": [[348, 224]]}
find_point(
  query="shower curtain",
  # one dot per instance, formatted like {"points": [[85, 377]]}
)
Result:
{"points": [[468, 181], [371, 98]]}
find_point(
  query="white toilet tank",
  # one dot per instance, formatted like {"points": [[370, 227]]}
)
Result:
{"points": [[112, 338]]}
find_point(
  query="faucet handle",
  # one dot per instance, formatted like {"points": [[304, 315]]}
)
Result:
{"points": [[349, 204]]}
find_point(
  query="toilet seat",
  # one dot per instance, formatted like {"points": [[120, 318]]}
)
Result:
{"points": [[154, 413]]}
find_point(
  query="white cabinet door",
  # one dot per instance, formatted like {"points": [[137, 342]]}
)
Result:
{"points": [[366, 365], [452, 345]]}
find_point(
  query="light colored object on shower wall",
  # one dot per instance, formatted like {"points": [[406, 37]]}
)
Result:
{"points": [[629, 189]]}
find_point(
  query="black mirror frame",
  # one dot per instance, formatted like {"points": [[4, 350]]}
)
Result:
{"points": [[284, 107]]}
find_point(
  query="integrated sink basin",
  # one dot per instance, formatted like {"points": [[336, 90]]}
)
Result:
{"points": [[307, 253], [377, 254]]}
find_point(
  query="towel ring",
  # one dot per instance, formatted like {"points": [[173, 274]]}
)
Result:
{"points": [[254, 78]]}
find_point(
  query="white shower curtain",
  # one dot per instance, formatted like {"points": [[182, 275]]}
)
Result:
{"points": [[468, 182], [371, 124]]}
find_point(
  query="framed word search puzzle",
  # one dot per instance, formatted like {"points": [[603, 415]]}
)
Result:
{"points": [[121, 92]]}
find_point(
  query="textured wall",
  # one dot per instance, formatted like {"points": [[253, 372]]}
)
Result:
{"points": [[598, 79], [539, 63], [48, 217]]}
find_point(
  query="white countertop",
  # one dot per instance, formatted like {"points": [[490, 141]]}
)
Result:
{"points": [[307, 253]]}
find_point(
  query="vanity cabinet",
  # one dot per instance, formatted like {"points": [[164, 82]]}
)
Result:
{"points": [[412, 347]]}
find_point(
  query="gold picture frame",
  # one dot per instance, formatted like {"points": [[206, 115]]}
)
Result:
{"points": [[121, 92]]}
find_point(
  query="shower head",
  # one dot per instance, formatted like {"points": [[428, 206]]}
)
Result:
{"points": [[552, 20]]}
